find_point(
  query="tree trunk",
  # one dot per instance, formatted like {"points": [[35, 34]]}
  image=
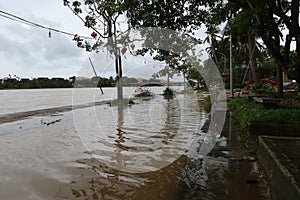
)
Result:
{"points": [[252, 57], [279, 81], [298, 58], [112, 40], [184, 83], [120, 81], [118, 67]]}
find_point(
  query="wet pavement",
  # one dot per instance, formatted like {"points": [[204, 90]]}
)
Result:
{"points": [[232, 170], [280, 156]]}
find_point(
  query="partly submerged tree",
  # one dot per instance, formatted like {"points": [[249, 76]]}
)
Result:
{"points": [[104, 18]]}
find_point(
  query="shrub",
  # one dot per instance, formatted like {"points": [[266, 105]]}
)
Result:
{"points": [[168, 92], [262, 88], [245, 112], [122, 102], [143, 92]]}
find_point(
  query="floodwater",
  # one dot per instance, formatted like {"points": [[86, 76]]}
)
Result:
{"points": [[143, 151], [13, 101]]}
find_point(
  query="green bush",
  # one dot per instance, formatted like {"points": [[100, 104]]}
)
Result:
{"points": [[168, 92], [297, 88], [245, 112], [121, 102], [262, 88]]}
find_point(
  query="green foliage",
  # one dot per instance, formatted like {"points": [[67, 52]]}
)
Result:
{"points": [[245, 112], [95, 82], [256, 18], [268, 65], [194, 74], [182, 16], [173, 14], [297, 88], [20, 83], [106, 82], [121, 102], [295, 64], [102, 17], [295, 96], [168, 92], [129, 81], [167, 71], [260, 87], [268, 69]]}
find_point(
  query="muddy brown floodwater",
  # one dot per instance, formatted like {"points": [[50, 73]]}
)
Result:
{"points": [[130, 152], [228, 172]]}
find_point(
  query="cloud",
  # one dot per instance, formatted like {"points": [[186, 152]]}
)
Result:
{"points": [[29, 49], [60, 47], [11, 47], [133, 66]]}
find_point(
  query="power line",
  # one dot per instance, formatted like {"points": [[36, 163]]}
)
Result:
{"points": [[30, 23]]}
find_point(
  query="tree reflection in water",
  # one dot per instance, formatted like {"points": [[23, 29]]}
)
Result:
{"points": [[135, 136], [104, 182]]}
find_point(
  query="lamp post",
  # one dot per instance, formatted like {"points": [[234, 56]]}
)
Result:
{"points": [[230, 57], [230, 60]]}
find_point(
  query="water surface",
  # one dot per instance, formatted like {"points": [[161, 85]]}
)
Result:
{"points": [[143, 151]]}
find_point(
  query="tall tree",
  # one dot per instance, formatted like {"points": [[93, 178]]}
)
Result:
{"points": [[103, 17], [184, 16], [267, 20]]}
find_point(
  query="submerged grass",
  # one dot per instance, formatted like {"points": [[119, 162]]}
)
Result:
{"points": [[246, 112], [122, 102]]}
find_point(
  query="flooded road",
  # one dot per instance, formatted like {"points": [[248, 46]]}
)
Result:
{"points": [[142, 151]]}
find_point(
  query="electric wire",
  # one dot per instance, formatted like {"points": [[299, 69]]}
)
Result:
{"points": [[30, 23]]}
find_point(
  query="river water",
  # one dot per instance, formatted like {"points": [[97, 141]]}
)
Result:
{"points": [[147, 150]]}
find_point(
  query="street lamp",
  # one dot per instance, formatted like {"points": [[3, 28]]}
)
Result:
{"points": [[230, 56], [230, 60]]}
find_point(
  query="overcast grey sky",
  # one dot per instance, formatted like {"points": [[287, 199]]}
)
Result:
{"points": [[27, 51]]}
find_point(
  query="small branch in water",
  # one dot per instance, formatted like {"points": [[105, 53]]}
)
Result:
{"points": [[95, 73]]}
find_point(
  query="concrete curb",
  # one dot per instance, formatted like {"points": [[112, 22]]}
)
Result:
{"points": [[276, 166]]}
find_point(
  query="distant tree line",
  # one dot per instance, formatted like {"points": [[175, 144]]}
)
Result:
{"points": [[41, 82], [79, 82], [110, 82]]}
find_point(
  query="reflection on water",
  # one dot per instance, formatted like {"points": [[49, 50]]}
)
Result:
{"points": [[143, 151], [144, 137]]}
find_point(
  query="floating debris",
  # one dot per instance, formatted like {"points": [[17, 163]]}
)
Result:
{"points": [[53, 122]]}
